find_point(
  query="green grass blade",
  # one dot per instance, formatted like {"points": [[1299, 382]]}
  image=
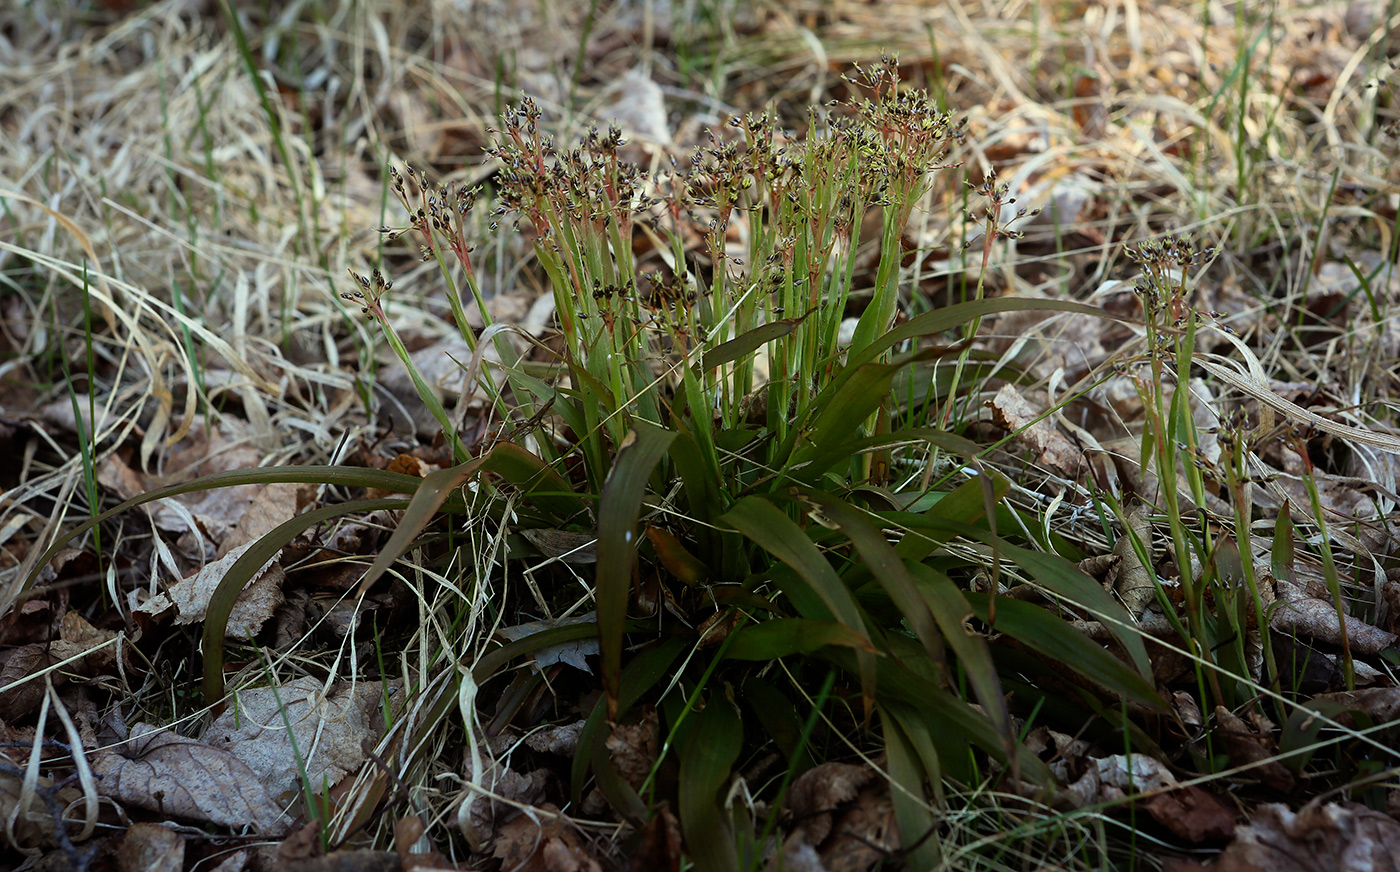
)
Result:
{"points": [[820, 594], [540, 483]]}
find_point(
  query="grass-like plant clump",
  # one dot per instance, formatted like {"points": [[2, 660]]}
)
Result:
{"points": [[868, 485]]}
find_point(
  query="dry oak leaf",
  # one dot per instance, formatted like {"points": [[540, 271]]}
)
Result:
{"points": [[542, 843], [1329, 837], [1012, 412], [159, 770]]}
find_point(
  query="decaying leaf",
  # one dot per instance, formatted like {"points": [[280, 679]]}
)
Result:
{"points": [[1317, 619], [571, 653], [83, 650], [633, 748], [190, 597], [659, 842], [1252, 750], [1193, 814], [1320, 837], [1054, 449], [842, 811], [150, 847], [1133, 581], [161, 771], [542, 843], [328, 727]]}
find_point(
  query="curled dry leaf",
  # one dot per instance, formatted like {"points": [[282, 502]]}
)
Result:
{"points": [[659, 842], [33, 825], [83, 650], [1320, 837], [166, 773], [190, 597], [1133, 581], [1193, 814], [1380, 704], [1317, 619], [571, 653], [1011, 411], [561, 740], [1252, 750]]}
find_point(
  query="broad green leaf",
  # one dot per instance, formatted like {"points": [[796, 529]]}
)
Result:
{"points": [[1061, 578], [965, 504], [258, 554], [778, 718], [707, 757], [618, 506], [887, 568], [782, 637], [948, 317], [1052, 637], [839, 414], [819, 593], [825, 456], [727, 352], [951, 609], [540, 483], [912, 765]]}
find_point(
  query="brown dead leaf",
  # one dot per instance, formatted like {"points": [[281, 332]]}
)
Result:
{"points": [[842, 811], [821, 790], [542, 843], [83, 650], [1380, 704], [1247, 748], [273, 505], [633, 748], [147, 847], [1193, 814], [190, 597], [329, 729], [159, 770], [33, 825], [486, 813], [1011, 411], [659, 843], [1321, 837], [1317, 619], [1133, 581], [561, 740]]}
